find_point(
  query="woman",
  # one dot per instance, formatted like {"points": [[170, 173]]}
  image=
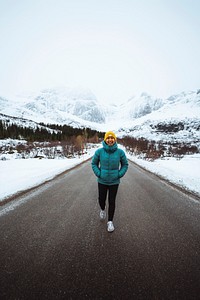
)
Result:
{"points": [[109, 165]]}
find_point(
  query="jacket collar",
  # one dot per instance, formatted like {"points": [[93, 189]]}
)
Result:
{"points": [[110, 149]]}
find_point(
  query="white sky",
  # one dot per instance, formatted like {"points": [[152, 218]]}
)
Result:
{"points": [[116, 48]]}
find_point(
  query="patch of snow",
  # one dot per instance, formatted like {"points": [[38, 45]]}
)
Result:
{"points": [[184, 172]]}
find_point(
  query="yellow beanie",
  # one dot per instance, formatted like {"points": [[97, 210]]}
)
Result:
{"points": [[109, 133]]}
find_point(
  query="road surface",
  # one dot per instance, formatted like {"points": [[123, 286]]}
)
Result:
{"points": [[53, 245]]}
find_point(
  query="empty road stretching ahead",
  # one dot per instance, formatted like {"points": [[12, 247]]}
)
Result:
{"points": [[53, 245]]}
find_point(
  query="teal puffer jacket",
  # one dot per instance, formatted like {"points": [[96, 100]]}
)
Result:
{"points": [[109, 164]]}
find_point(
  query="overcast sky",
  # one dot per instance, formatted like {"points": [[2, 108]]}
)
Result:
{"points": [[115, 48]]}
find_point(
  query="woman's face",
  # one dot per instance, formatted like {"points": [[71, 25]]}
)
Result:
{"points": [[110, 140]]}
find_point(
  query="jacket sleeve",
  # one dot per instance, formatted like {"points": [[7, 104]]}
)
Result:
{"points": [[95, 163], [124, 164]]}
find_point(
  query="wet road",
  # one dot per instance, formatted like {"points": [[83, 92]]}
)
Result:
{"points": [[53, 245]]}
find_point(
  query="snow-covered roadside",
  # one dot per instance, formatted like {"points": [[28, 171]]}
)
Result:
{"points": [[20, 174], [184, 172]]}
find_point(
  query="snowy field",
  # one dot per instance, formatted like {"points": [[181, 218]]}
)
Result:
{"points": [[20, 174], [184, 173]]}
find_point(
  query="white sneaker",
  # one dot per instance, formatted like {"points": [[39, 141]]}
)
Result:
{"points": [[110, 226], [102, 214]]}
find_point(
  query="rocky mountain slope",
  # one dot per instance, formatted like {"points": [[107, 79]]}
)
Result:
{"points": [[178, 119], [57, 106], [175, 118]]}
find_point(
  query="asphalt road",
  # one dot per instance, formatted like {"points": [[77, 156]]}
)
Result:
{"points": [[53, 245]]}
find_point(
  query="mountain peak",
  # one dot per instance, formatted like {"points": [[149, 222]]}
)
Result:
{"points": [[65, 105]]}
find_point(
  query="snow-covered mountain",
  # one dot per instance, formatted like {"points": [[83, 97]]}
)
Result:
{"points": [[21, 122], [136, 107], [64, 106], [60, 106], [142, 105], [175, 118]]}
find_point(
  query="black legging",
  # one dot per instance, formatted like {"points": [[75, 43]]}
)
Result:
{"points": [[112, 189]]}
